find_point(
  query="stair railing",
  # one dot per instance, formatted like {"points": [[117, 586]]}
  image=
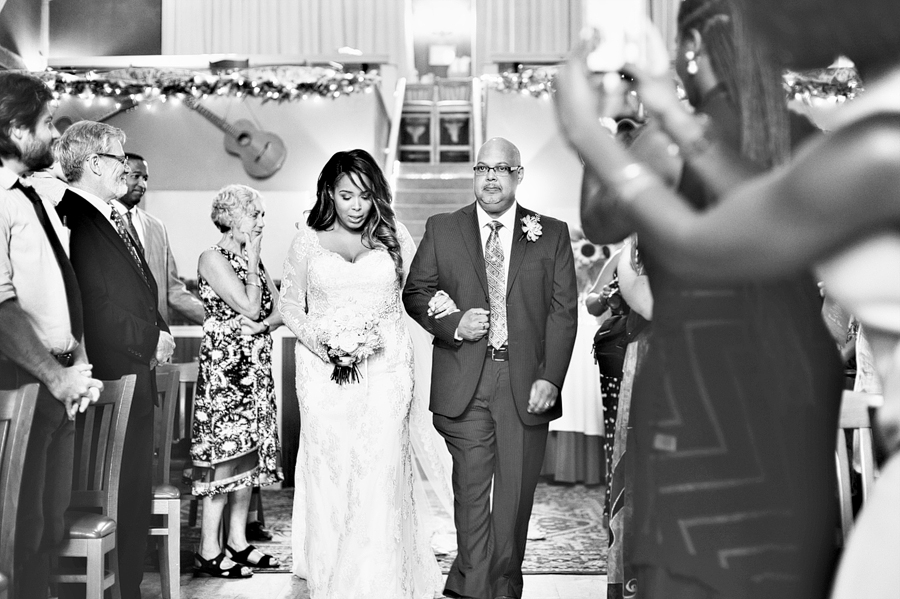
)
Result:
{"points": [[477, 116], [391, 164]]}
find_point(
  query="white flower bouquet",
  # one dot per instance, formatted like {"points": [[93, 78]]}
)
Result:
{"points": [[349, 338]]}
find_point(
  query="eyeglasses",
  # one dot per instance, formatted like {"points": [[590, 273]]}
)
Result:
{"points": [[120, 159], [502, 170]]}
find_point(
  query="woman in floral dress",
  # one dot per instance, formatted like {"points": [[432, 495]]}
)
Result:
{"points": [[234, 445]]}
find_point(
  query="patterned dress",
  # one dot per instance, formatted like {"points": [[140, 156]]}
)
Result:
{"points": [[235, 431]]}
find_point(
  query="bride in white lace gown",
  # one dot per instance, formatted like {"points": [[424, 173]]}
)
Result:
{"points": [[358, 530]]}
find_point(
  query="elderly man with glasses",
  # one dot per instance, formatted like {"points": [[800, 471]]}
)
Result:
{"points": [[123, 329]]}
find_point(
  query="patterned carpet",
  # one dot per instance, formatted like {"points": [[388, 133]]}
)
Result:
{"points": [[566, 535]]}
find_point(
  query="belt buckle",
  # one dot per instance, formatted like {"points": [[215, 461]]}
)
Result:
{"points": [[499, 354]]}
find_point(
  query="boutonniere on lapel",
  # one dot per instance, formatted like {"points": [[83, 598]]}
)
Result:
{"points": [[531, 227]]}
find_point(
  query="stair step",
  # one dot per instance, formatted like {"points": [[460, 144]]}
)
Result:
{"points": [[416, 229], [446, 169], [434, 183], [436, 196], [410, 212]]}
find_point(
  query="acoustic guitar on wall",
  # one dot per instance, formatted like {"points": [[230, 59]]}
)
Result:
{"points": [[262, 153]]}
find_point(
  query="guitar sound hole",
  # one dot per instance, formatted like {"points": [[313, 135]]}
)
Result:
{"points": [[243, 139]]}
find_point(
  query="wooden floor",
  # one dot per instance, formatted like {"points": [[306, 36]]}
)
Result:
{"points": [[285, 586]]}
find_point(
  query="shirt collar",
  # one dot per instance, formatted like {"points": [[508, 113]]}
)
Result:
{"points": [[120, 207], [507, 219], [104, 207], [8, 178]]}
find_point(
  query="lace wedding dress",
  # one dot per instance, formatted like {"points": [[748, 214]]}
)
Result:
{"points": [[358, 528]]}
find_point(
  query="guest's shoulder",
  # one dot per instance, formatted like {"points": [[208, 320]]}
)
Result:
{"points": [[149, 218], [443, 218]]}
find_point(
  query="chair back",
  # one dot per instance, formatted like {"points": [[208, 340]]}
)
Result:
{"points": [[16, 414], [855, 419], [188, 373], [99, 441], [167, 385]]}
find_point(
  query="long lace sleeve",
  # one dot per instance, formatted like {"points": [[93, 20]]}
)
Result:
{"points": [[293, 295]]}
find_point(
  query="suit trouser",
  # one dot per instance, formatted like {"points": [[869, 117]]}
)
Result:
{"points": [[46, 486], [135, 497], [489, 443]]}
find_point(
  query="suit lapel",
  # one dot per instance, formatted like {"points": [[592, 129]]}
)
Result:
{"points": [[106, 228], [519, 247], [471, 236]]}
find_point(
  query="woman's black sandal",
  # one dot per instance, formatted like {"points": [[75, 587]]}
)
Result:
{"points": [[213, 568], [243, 557]]}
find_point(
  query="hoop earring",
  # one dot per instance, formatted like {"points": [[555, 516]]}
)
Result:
{"points": [[691, 57]]}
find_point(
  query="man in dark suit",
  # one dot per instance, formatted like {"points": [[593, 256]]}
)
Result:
{"points": [[123, 330], [499, 361]]}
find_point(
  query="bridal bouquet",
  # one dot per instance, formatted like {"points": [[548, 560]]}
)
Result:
{"points": [[349, 338]]}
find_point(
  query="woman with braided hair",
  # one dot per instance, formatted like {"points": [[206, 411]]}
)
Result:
{"points": [[735, 405]]}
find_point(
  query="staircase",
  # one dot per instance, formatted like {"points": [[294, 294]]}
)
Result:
{"points": [[423, 190]]}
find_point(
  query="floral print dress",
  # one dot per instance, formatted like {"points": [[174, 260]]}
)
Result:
{"points": [[234, 441]]}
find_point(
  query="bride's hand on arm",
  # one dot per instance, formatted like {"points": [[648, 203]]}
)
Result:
{"points": [[441, 305]]}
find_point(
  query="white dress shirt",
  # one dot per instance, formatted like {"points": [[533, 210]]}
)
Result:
{"points": [[135, 219]]}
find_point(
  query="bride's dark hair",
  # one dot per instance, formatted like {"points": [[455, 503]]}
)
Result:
{"points": [[380, 228]]}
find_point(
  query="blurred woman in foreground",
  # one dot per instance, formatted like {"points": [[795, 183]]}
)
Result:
{"points": [[835, 205]]}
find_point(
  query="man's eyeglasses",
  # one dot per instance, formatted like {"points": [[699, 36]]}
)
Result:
{"points": [[120, 159], [502, 170]]}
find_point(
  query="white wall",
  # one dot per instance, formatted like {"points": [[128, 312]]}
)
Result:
{"points": [[552, 183]]}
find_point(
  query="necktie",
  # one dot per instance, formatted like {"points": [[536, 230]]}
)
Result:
{"points": [[70, 282], [496, 276], [129, 225], [123, 233]]}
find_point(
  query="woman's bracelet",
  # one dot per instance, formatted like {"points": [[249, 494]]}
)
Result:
{"points": [[252, 284]]}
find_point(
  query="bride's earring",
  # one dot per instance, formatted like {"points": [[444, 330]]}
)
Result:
{"points": [[691, 58]]}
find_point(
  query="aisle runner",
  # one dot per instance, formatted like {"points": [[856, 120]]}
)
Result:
{"points": [[567, 518]]}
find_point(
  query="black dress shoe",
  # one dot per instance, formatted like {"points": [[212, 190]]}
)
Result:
{"points": [[257, 532]]}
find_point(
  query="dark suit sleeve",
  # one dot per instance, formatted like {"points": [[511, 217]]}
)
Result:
{"points": [[562, 320], [421, 286], [120, 329], [115, 327]]}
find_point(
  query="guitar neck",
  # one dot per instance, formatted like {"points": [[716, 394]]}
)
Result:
{"points": [[213, 117]]}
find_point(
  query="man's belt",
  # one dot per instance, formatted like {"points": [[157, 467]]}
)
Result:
{"points": [[498, 354]]}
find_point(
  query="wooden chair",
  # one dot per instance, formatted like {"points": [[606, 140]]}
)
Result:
{"points": [[166, 503], [90, 534], [16, 414], [188, 373], [854, 417]]}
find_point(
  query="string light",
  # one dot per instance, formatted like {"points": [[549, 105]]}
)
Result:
{"points": [[836, 84], [277, 84]]}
